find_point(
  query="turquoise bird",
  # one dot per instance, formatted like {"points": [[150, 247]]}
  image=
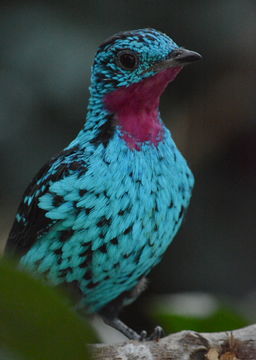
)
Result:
{"points": [[102, 213]]}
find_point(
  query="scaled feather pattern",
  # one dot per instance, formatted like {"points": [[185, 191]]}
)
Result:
{"points": [[101, 214]]}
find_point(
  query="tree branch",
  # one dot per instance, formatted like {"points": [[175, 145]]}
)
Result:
{"points": [[186, 345]]}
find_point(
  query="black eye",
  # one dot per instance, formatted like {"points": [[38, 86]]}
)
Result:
{"points": [[127, 59]]}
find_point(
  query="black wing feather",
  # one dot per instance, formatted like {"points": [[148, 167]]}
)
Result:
{"points": [[31, 221]]}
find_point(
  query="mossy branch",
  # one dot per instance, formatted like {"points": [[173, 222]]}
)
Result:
{"points": [[186, 345]]}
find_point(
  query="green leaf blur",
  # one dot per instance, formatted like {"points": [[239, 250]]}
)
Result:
{"points": [[223, 319], [36, 322]]}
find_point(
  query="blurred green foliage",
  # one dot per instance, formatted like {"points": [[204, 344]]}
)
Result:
{"points": [[36, 322], [224, 318]]}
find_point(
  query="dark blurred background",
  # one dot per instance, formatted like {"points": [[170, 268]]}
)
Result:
{"points": [[46, 51]]}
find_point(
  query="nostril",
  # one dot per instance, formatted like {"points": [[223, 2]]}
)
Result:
{"points": [[175, 53]]}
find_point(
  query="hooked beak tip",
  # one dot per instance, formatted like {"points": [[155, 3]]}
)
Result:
{"points": [[183, 56]]}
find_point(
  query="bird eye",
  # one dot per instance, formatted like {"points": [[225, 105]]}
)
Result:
{"points": [[127, 59]]}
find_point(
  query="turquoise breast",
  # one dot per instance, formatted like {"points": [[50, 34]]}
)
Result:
{"points": [[117, 220]]}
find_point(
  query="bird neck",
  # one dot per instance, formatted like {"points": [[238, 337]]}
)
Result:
{"points": [[133, 111], [136, 112]]}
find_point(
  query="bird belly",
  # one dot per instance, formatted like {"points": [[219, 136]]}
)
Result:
{"points": [[112, 236]]}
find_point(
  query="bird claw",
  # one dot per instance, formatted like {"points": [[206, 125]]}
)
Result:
{"points": [[156, 335], [143, 335]]}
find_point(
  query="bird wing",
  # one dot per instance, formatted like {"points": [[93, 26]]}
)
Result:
{"points": [[31, 220]]}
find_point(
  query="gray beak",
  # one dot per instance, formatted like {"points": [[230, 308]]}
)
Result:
{"points": [[177, 57]]}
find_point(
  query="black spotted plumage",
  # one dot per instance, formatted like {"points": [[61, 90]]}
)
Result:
{"points": [[100, 215], [31, 222]]}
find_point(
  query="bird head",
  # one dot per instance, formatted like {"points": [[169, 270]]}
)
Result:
{"points": [[129, 57], [130, 72]]}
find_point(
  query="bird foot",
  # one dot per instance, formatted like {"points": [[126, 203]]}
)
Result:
{"points": [[117, 324], [156, 335]]}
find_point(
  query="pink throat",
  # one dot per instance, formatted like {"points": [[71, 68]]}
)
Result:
{"points": [[136, 108]]}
